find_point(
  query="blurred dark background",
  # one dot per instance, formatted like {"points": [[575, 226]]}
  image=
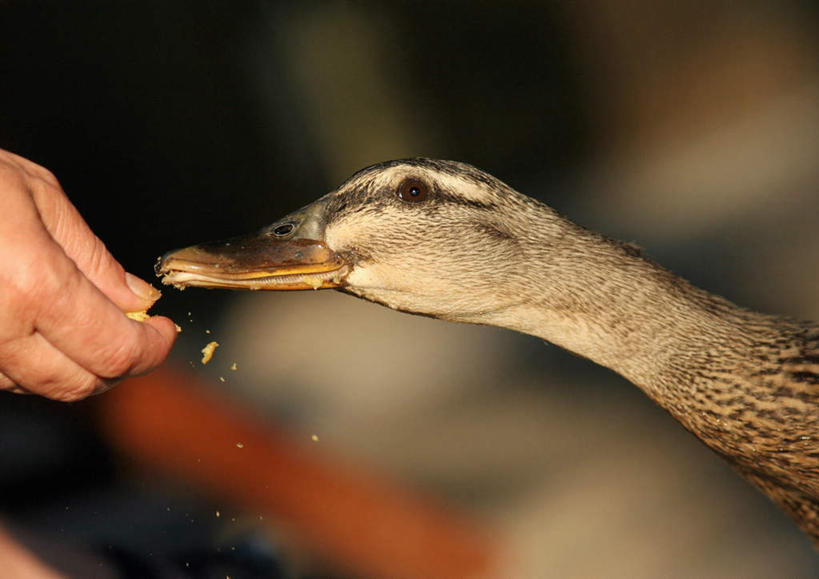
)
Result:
{"points": [[690, 128]]}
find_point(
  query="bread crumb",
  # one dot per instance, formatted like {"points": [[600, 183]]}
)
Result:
{"points": [[234, 367], [314, 438], [313, 281], [221, 378], [207, 351], [178, 328], [138, 316], [239, 445]]}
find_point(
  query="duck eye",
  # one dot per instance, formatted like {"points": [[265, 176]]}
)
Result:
{"points": [[283, 229], [412, 191]]}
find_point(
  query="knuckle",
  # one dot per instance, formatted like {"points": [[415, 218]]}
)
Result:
{"points": [[118, 361], [63, 387], [35, 280], [47, 284], [25, 168], [39, 176], [76, 390], [48, 177]]}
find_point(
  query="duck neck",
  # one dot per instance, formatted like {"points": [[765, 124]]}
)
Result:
{"points": [[606, 302]]}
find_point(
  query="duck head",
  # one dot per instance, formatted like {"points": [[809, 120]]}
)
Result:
{"points": [[438, 238]]}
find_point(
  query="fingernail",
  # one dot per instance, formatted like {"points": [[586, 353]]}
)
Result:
{"points": [[142, 289]]}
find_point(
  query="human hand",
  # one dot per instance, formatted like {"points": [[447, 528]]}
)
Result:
{"points": [[63, 333]]}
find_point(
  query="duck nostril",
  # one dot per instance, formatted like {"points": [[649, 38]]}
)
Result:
{"points": [[283, 229]]}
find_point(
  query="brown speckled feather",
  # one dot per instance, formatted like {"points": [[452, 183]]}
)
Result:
{"points": [[756, 402]]}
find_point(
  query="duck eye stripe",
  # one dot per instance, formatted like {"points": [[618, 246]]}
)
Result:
{"points": [[457, 200]]}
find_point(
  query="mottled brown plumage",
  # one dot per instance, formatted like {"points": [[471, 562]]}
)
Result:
{"points": [[468, 248]]}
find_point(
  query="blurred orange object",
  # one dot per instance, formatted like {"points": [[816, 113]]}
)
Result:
{"points": [[355, 520]]}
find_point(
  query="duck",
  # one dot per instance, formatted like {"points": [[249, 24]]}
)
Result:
{"points": [[446, 240]]}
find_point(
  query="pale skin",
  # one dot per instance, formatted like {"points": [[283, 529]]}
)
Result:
{"points": [[19, 562], [63, 332]]}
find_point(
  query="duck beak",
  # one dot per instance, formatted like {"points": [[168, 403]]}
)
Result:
{"points": [[288, 255]]}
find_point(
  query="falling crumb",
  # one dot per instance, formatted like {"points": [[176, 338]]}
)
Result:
{"points": [[207, 331], [239, 445], [138, 316], [218, 514], [234, 367], [221, 378], [178, 328], [207, 351], [314, 438]]}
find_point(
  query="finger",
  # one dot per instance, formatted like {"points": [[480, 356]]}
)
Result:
{"points": [[8, 385], [36, 366], [75, 316], [71, 232], [28, 167]]}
